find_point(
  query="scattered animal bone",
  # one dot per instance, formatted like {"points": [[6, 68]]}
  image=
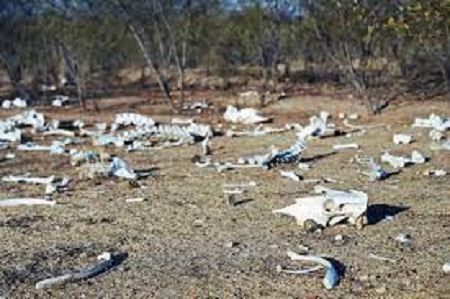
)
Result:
{"points": [[444, 146], [417, 158], [10, 134], [436, 136], [353, 116], [290, 155], [197, 106], [394, 161], [205, 147], [318, 126], [331, 278], [293, 127], [28, 179], [31, 146], [435, 122], [289, 270], [67, 124], [438, 173], [234, 191], [10, 156], [6, 104], [133, 119], [60, 101], [338, 147], [250, 184], [377, 173], [120, 169], [329, 209], [60, 132], [29, 118], [78, 158], [231, 166], [104, 140], [356, 127], [19, 103], [446, 268], [403, 239], [245, 116], [180, 121], [25, 202], [257, 132], [135, 200], [105, 264], [402, 139], [381, 258], [304, 166], [291, 175]]}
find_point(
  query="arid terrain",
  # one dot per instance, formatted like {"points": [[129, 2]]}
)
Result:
{"points": [[177, 243]]}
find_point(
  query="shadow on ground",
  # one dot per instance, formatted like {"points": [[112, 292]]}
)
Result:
{"points": [[378, 212]]}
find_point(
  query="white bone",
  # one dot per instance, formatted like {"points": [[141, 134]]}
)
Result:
{"points": [[25, 202], [417, 158], [446, 268], [30, 180], [106, 263], [331, 278], [394, 161], [250, 184], [337, 147], [245, 116], [436, 135], [382, 258], [30, 146], [402, 139], [434, 121], [59, 132], [290, 175], [346, 205], [356, 127], [135, 200]]}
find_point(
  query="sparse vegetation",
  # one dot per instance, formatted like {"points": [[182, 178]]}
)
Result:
{"points": [[379, 49]]}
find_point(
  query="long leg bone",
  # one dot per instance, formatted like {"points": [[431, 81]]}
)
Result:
{"points": [[25, 202], [79, 275]]}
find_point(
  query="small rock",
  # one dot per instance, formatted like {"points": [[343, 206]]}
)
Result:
{"points": [[364, 278], [403, 239], [381, 290], [357, 286], [231, 244], [446, 268]]}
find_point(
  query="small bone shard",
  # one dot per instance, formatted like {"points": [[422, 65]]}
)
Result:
{"points": [[338, 147], [246, 116], [291, 175], [105, 264], [402, 139], [381, 258]]}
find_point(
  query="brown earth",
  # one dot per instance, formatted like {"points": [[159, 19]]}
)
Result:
{"points": [[174, 244]]}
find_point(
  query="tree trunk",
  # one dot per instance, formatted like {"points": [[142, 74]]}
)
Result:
{"points": [[262, 96], [162, 85]]}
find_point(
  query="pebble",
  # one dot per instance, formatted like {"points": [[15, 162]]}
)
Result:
{"points": [[231, 244], [381, 290], [364, 278], [446, 268]]}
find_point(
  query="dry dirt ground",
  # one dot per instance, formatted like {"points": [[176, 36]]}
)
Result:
{"points": [[175, 244]]}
